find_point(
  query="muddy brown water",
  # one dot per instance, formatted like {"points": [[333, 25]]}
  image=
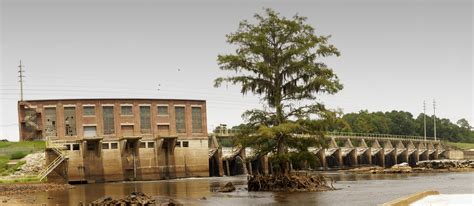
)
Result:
{"points": [[353, 189]]}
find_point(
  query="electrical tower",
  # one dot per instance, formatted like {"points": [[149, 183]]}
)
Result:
{"points": [[424, 119], [434, 118], [20, 71]]}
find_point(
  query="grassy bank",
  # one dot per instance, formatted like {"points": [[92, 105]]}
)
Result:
{"points": [[15, 151], [461, 145]]}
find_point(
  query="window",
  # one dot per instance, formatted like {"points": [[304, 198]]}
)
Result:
{"points": [[180, 120], [50, 123], [145, 120], [105, 145], [196, 119], [89, 111], [162, 110], [70, 121], [185, 144], [151, 145], [126, 111], [75, 146], [178, 144], [68, 146], [113, 145], [142, 144], [90, 131], [108, 119]]}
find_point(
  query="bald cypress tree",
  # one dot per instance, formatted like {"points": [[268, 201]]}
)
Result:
{"points": [[280, 59]]}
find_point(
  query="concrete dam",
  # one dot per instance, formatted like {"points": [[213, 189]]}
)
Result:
{"points": [[344, 150]]}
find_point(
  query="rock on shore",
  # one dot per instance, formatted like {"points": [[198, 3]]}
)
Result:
{"points": [[22, 188], [135, 198], [34, 163], [445, 164]]}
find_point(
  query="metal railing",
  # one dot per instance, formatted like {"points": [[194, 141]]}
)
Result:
{"points": [[378, 136], [231, 132], [57, 147]]}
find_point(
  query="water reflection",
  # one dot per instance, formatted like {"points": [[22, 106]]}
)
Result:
{"points": [[354, 189]]}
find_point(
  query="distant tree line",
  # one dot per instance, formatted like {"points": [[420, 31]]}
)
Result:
{"points": [[404, 123], [398, 123]]}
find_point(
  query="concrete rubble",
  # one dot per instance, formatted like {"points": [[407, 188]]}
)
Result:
{"points": [[445, 164], [135, 198], [399, 168], [34, 163], [229, 187]]}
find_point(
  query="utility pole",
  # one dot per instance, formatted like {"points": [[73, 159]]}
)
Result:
{"points": [[20, 71], [434, 118], [424, 119]]}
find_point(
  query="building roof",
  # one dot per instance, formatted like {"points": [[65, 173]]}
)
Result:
{"points": [[99, 99]]}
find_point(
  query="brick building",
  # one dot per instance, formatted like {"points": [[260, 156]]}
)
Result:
{"points": [[119, 139]]}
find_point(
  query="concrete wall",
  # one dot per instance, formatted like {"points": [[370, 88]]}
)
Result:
{"points": [[468, 154], [455, 154]]}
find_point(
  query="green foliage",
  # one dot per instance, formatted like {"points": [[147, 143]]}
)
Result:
{"points": [[16, 150], [29, 179], [9, 170], [279, 59], [461, 145], [403, 123], [18, 155]]}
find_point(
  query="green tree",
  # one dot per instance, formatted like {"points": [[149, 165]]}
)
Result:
{"points": [[401, 123], [278, 58]]}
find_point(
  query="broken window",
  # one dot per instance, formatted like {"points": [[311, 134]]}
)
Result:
{"points": [[196, 119], [180, 120], [113, 145], [89, 110], [145, 119], [90, 131], [70, 121], [50, 123], [108, 118], [126, 110], [30, 120], [162, 110]]}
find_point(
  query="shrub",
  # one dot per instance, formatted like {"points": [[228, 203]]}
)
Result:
{"points": [[17, 155]]}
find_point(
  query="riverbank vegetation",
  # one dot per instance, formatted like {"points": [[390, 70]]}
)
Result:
{"points": [[15, 151], [461, 145], [404, 123]]}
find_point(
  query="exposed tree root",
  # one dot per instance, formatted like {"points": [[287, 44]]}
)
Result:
{"points": [[291, 182]]}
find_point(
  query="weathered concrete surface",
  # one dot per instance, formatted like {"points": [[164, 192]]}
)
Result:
{"points": [[404, 201], [455, 154], [469, 154]]}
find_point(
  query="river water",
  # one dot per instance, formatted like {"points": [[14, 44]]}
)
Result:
{"points": [[353, 189]]}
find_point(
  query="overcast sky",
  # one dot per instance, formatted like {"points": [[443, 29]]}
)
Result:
{"points": [[395, 54]]}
